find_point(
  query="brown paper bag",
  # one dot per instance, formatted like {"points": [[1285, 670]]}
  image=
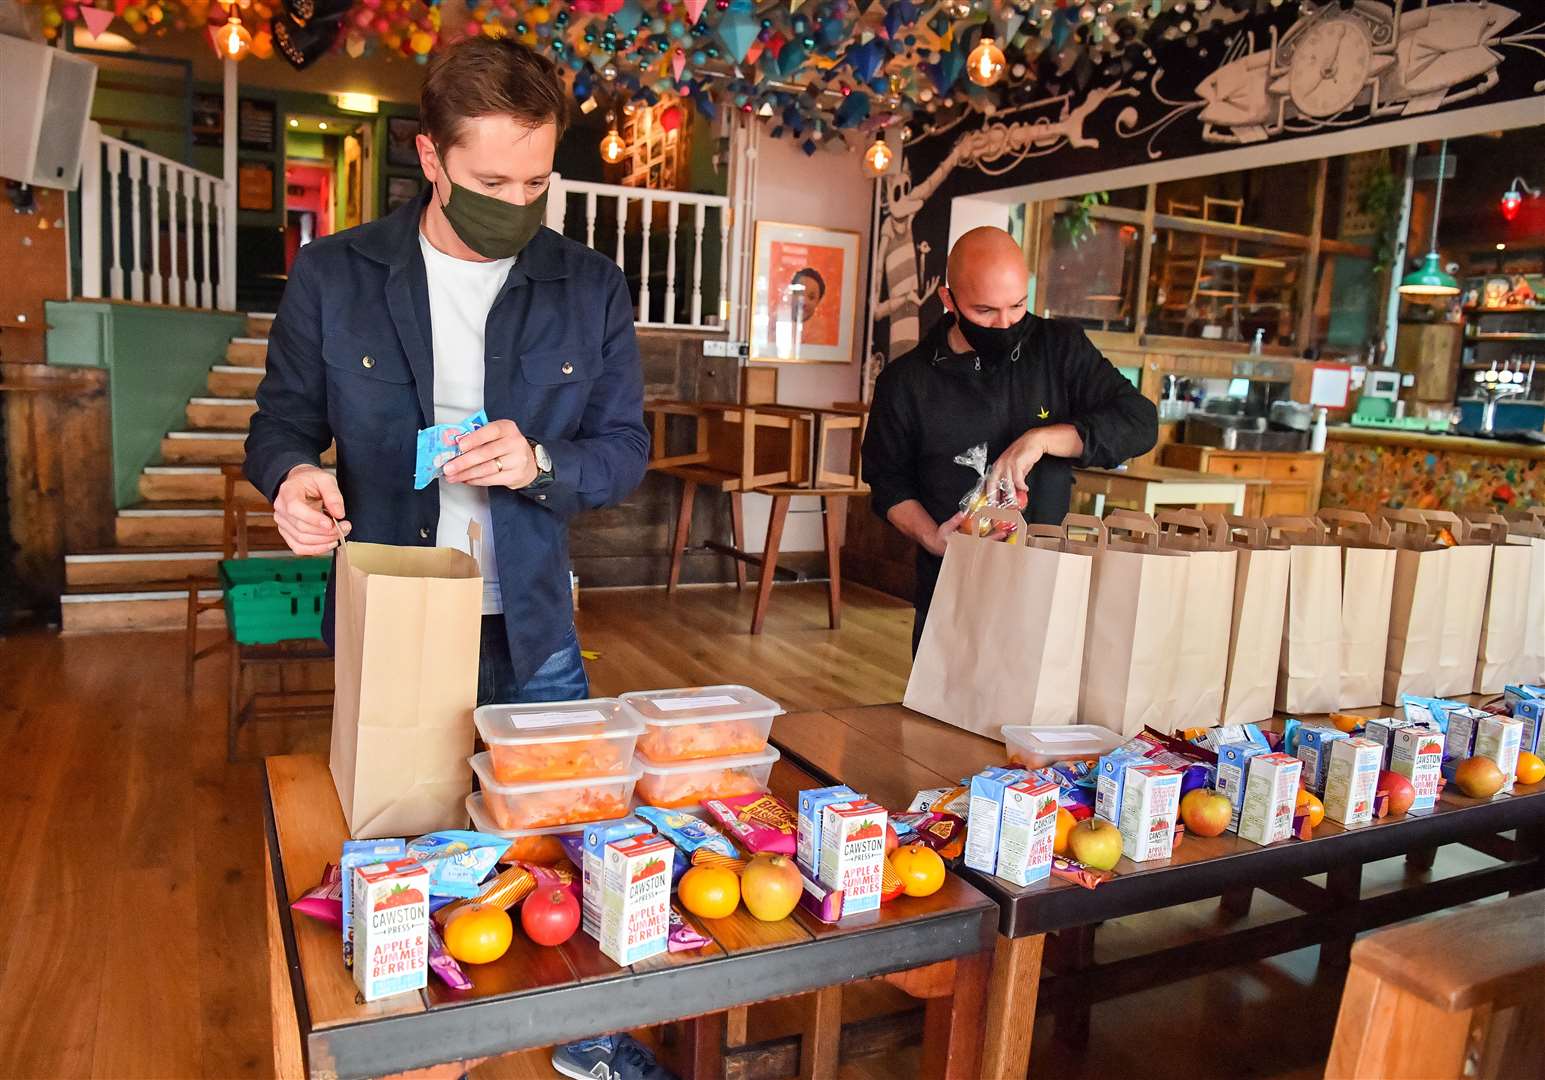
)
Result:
{"points": [[1528, 530], [1504, 626], [406, 643], [1206, 619], [1255, 637], [1136, 598], [1367, 587], [1416, 607], [1464, 604], [1003, 643], [1309, 677]]}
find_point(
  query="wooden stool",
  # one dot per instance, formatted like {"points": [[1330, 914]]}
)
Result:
{"points": [[693, 477], [1457, 995], [834, 511]]}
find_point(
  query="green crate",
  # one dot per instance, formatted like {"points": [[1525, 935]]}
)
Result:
{"points": [[270, 600]]}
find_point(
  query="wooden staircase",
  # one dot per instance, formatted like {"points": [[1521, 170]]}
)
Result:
{"points": [[174, 533]]}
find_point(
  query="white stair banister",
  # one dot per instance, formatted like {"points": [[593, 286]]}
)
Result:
{"points": [[115, 268], [91, 214], [153, 184], [647, 219], [136, 239], [670, 263], [590, 219], [206, 292], [189, 289], [173, 215], [622, 227], [697, 265]]}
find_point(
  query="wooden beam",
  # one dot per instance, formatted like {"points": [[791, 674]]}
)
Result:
{"points": [[1309, 278], [1145, 237]]}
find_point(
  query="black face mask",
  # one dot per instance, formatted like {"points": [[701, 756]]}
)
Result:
{"points": [[992, 342]]}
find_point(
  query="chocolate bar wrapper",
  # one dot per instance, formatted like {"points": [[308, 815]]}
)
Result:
{"points": [[683, 936], [1076, 872], [443, 964]]}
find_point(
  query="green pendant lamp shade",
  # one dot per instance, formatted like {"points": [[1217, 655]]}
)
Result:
{"points": [[1430, 279]]}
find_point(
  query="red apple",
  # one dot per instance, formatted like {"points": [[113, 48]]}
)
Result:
{"points": [[892, 841], [1096, 843], [1398, 788], [1206, 812]]}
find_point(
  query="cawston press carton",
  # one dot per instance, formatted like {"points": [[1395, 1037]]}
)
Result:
{"points": [[1109, 785], [636, 898], [1352, 780], [357, 853], [1497, 737], [391, 928], [1150, 803], [596, 836], [1233, 766], [1314, 745], [986, 814], [853, 853], [1271, 792], [808, 839], [1028, 831], [1417, 755]]}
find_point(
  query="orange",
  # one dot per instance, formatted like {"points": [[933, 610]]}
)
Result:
{"points": [[1531, 769], [1316, 808], [479, 933], [1346, 721], [1065, 823], [920, 869], [711, 892]]}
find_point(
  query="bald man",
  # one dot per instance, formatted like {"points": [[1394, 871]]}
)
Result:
{"points": [[1036, 391]]}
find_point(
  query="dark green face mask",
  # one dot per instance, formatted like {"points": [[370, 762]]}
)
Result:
{"points": [[492, 227]]}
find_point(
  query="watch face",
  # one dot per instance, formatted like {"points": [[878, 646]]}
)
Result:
{"points": [[1330, 67]]}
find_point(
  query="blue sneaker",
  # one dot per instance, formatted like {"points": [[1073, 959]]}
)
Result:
{"points": [[609, 1057]]}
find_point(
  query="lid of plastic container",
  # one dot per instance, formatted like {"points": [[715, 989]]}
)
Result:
{"points": [[482, 764], [555, 721], [767, 756], [483, 822], [698, 704], [1073, 739]]}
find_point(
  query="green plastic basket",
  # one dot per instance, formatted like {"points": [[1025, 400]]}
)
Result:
{"points": [[270, 600]]}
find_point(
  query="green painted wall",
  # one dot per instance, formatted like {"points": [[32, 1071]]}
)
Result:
{"points": [[305, 144], [157, 358]]}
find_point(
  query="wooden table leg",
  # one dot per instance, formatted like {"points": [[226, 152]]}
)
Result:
{"points": [[233, 704], [775, 520], [704, 1053], [1016, 980], [735, 1027], [683, 531], [289, 1063], [952, 1026], [738, 529], [1075, 951], [831, 519], [821, 1042], [1344, 888], [1421, 858], [1236, 902]]}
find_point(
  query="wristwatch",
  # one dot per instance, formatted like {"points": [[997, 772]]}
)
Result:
{"points": [[544, 466]]}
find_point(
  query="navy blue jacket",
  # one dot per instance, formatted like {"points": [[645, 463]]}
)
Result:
{"points": [[350, 360]]}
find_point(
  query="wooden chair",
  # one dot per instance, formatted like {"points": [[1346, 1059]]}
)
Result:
{"points": [[234, 545], [1456, 995]]}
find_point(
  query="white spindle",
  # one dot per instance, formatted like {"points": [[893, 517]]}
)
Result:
{"points": [[672, 218], [590, 219], [189, 288], [173, 211], [622, 226], [206, 290], [91, 214], [557, 203], [115, 269], [718, 315], [136, 234], [697, 265], [217, 298], [153, 188], [643, 274]]}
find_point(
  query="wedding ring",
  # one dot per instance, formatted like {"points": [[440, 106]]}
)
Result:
{"points": [[498, 464]]}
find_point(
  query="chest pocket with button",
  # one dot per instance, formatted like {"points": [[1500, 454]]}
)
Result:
{"points": [[371, 397], [557, 386]]}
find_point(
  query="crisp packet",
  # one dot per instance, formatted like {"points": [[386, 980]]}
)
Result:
{"points": [[1076, 872], [438, 444], [458, 859], [979, 497], [685, 831], [704, 857], [951, 800], [759, 822], [683, 936], [945, 833], [325, 899], [443, 964]]}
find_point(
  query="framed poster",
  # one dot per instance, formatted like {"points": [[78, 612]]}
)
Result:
{"points": [[208, 119], [804, 286], [256, 122], [255, 186], [401, 190], [401, 152]]}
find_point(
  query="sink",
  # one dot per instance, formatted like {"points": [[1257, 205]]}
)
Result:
{"points": [[1229, 434]]}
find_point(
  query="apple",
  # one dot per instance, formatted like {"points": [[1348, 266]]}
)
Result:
{"points": [[1478, 777], [770, 886], [1398, 788], [892, 841], [1206, 812], [1096, 843]]}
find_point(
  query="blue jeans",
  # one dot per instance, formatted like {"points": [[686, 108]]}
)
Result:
{"points": [[560, 678]]}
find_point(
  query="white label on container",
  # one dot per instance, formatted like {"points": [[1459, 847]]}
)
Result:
{"points": [[557, 719], [710, 701], [1052, 736]]}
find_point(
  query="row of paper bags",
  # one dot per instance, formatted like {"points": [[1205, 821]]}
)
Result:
{"points": [[1196, 619]]}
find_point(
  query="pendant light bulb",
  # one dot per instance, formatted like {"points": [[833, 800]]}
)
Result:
{"points": [[1431, 279], [985, 64], [612, 146], [878, 158], [235, 41]]}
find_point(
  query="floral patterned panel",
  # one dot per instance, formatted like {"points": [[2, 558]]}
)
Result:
{"points": [[1365, 477]]}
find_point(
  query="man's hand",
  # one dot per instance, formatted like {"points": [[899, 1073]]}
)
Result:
{"points": [[936, 541], [306, 508], [914, 522], [495, 455], [1015, 463]]}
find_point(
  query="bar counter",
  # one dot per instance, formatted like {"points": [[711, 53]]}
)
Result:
{"points": [[1366, 468]]}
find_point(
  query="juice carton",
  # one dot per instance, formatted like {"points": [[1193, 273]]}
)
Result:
{"points": [[808, 843], [1028, 831], [1112, 778], [1271, 792], [636, 898], [1382, 731], [391, 931], [1417, 755], [1149, 806], [986, 814], [1512, 694], [1531, 712], [1233, 765], [1497, 737], [358, 853], [1463, 726], [1352, 780], [853, 853], [1314, 745], [593, 864]]}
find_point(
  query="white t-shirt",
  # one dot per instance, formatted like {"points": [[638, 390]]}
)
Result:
{"points": [[460, 296]]}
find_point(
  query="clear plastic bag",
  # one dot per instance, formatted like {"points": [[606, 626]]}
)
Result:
{"points": [[1000, 497]]}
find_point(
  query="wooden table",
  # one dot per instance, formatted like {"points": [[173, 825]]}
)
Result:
{"points": [[933, 947], [890, 752], [1152, 486]]}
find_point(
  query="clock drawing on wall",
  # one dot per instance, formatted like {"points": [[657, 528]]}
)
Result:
{"points": [[1334, 57]]}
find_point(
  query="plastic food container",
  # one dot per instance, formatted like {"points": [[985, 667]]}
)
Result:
{"points": [[686, 784], [542, 803], [538, 846], [702, 722], [1037, 747], [558, 740]]}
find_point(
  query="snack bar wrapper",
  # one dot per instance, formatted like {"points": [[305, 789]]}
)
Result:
{"points": [[685, 831], [443, 964], [325, 899], [759, 822], [458, 860], [438, 444], [979, 497], [683, 936], [945, 833]]}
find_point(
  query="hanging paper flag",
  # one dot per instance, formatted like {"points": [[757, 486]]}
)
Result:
{"points": [[1011, 24], [96, 19], [737, 30], [599, 58], [678, 63], [865, 60], [694, 10], [629, 16], [755, 52], [854, 108], [791, 58]]}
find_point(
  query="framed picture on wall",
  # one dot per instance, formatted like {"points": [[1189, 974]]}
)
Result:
{"points": [[255, 186], [401, 152], [208, 120], [256, 122], [401, 190], [804, 294]]}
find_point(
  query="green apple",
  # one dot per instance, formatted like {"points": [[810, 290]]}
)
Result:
{"points": [[1096, 843]]}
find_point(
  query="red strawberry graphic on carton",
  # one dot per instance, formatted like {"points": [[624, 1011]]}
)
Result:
{"points": [[648, 870], [400, 896], [867, 830]]}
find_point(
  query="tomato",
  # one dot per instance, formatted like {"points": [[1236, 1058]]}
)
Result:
{"points": [[550, 916], [479, 933], [921, 869], [711, 892]]}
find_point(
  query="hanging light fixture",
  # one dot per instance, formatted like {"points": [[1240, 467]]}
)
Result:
{"points": [[985, 64], [1430, 279], [612, 146], [233, 38], [878, 157], [1513, 199]]}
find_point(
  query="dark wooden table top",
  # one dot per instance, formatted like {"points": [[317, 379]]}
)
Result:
{"points": [[534, 996], [890, 752]]}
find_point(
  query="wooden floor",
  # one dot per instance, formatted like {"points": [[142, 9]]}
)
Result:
{"points": [[131, 918]]}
